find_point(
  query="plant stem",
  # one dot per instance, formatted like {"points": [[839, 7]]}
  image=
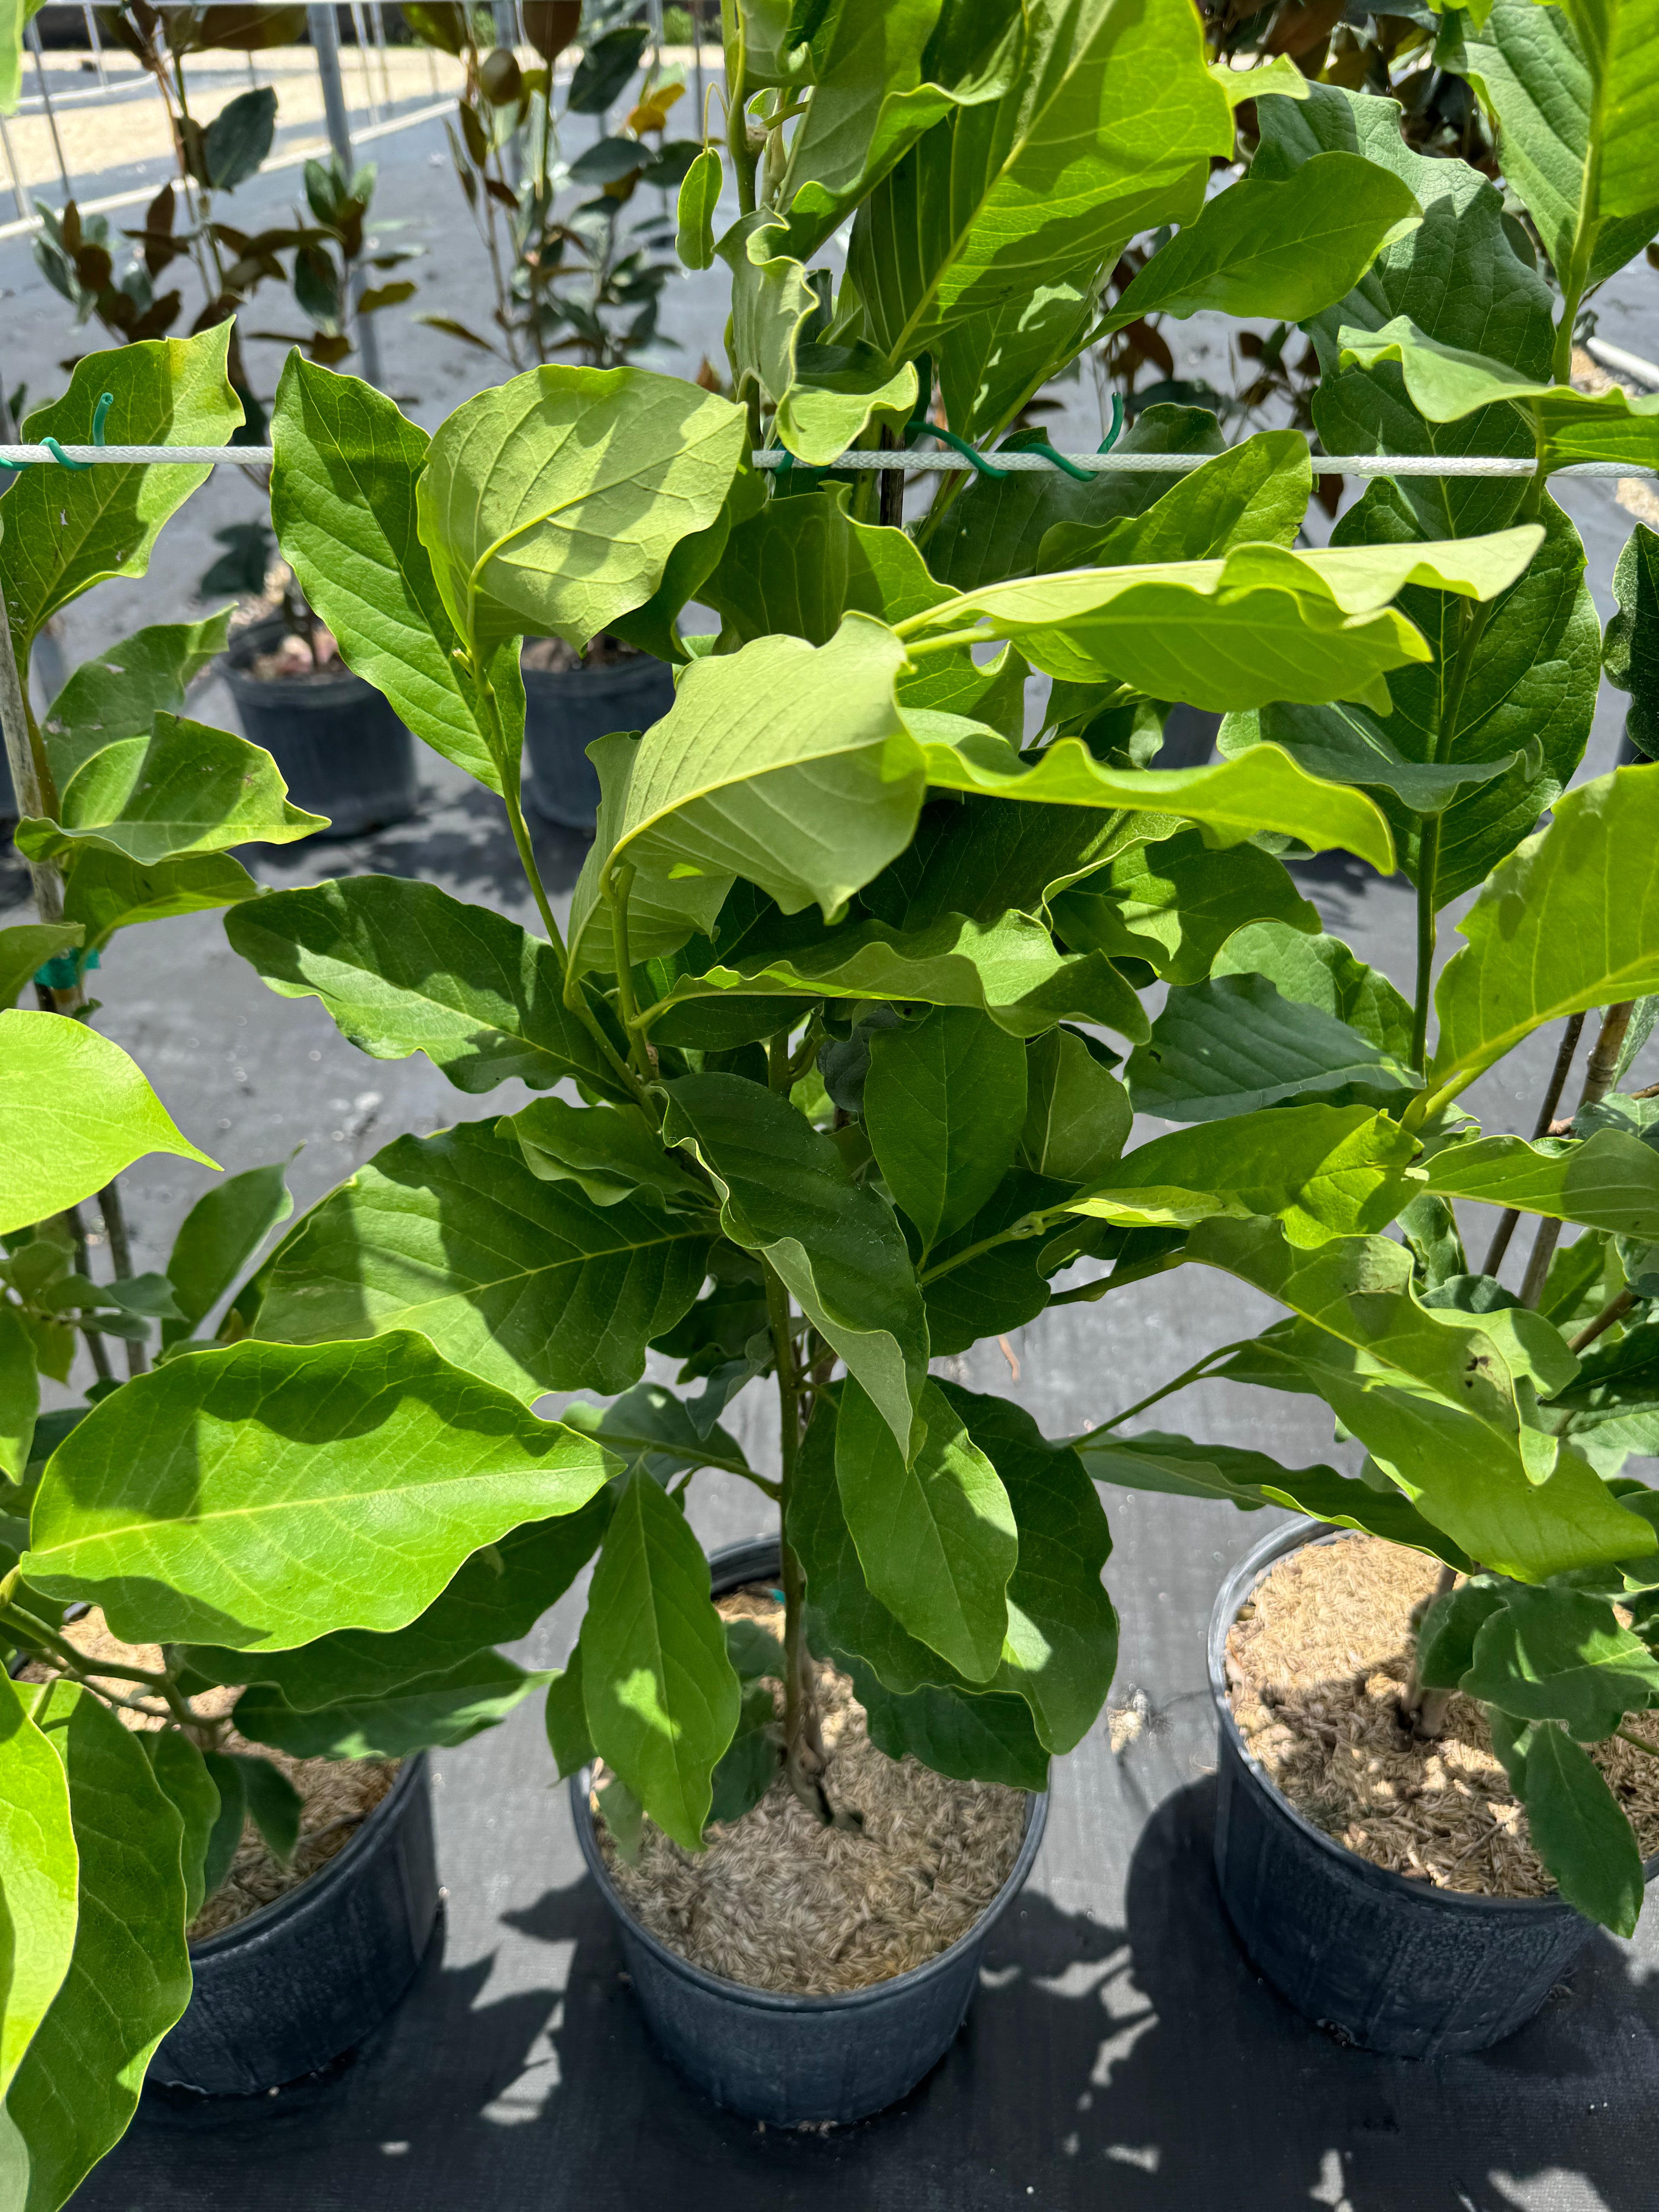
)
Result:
{"points": [[1428, 867], [1029, 1225], [1628, 1735], [1598, 1081], [1192, 1374], [640, 1053], [802, 1743], [1506, 1226], [1615, 1311], [743, 160], [120, 1253], [1426, 1709], [77, 1230]]}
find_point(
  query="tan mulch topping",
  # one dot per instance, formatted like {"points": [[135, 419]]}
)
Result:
{"points": [[1317, 1663], [778, 1901]]}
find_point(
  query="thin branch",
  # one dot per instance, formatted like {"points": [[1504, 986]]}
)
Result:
{"points": [[1557, 1084], [1615, 1311], [1195, 1373], [1598, 1081]]}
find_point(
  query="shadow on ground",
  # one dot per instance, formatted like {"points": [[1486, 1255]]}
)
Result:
{"points": [[1141, 2066]]}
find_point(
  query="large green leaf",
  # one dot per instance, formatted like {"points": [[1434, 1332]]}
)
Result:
{"points": [[74, 1111], [182, 1773], [1631, 648], [610, 1152], [65, 531], [1579, 1829], [1609, 1181], [991, 1738], [1231, 800], [798, 564], [1324, 1170], [1569, 921], [1518, 695], [661, 1695], [216, 1240], [998, 527], [1256, 493], [761, 750], [648, 1426], [344, 506], [1078, 1115], [444, 1709], [496, 1596], [184, 790], [1562, 1655], [936, 1539], [1107, 130], [1002, 1288], [990, 365], [1457, 277], [37, 1876], [1264, 623], [106, 890], [786, 1196], [527, 1282], [551, 503], [1176, 902], [263, 1496], [944, 1106], [20, 1394], [29, 946], [1285, 248], [118, 694], [1574, 95], [128, 1978], [403, 968]]}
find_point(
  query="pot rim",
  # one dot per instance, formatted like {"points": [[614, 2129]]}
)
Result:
{"points": [[305, 1894], [256, 637], [1251, 1569], [733, 1565]]}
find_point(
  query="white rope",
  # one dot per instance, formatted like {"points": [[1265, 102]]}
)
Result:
{"points": [[1352, 465]]}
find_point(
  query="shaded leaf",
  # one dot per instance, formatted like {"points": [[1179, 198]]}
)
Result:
{"points": [[119, 692], [437, 1709], [216, 1240], [1580, 1831], [106, 890], [944, 1105], [1562, 1655], [38, 1880]]}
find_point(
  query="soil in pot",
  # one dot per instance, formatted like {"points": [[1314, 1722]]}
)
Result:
{"points": [[337, 1795], [779, 1901], [551, 656], [1318, 1666]]}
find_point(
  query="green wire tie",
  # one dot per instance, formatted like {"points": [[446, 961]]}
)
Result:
{"points": [[64, 970], [100, 413]]}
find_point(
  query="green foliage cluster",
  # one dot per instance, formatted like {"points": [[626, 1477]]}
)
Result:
{"points": [[835, 1057]]}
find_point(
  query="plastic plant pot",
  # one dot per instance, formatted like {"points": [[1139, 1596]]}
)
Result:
{"points": [[792, 2060], [565, 709], [1391, 1964], [342, 750]]}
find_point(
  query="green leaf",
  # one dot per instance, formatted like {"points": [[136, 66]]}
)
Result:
{"points": [[1078, 1115], [168, 391], [1325, 1171], [1315, 970], [1271, 793], [37, 1882], [106, 891], [551, 503], [650, 1416], [1445, 1638], [1255, 492], [1610, 1181], [992, 365], [1264, 623], [218, 1237], [442, 1710], [607, 63], [1176, 902], [975, 1739], [29, 946], [1281, 75], [20, 1391], [1580, 1831], [566, 1716], [661, 1698], [74, 1111], [229, 1496], [496, 1596], [1561, 1655], [273, 1804], [1631, 649], [754, 1651], [1617, 1373], [1282, 248], [527, 1282], [937, 1538], [1237, 1042], [227, 1775], [699, 194], [1569, 921], [759, 748], [129, 1977], [1003, 1288], [238, 137], [186, 789], [118, 694], [944, 1104], [1442, 381], [610, 1152], [749, 1762], [799, 564], [343, 503], [836, 1246], [182, 1773], [404, 967], [1048, 181], [999, 526]]}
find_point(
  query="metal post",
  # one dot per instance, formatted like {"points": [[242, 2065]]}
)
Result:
{"points": [[326, 38], [95, 42], [26, 213], [360, 24], [377, 25], [33, 37]]}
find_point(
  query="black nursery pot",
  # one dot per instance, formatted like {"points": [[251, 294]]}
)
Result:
{"points": [[1394, 1964], [342, 750], [565, 709], [304, 1979], [790, 2060]]}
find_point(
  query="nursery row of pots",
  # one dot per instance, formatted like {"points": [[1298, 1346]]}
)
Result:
{"points": [[1390, 1964]]}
